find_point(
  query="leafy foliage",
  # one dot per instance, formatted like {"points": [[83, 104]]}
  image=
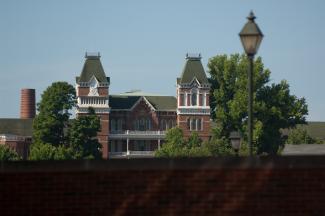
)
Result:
{"points": [[49, 152], [177, 146], [49, 124], [82, 136], [274, 106], [7, 154], [54, 137]]}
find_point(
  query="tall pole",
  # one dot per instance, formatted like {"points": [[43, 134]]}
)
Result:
{"points": [[250, 104]]}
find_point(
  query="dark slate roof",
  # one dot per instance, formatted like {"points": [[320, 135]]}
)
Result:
{"points": [[160, 103], [20, 127], [122, 102], [92, 67], [193, 68]]}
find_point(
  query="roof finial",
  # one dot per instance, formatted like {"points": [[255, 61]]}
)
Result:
{"points": [[251, 16], [93, 55], [193, 56]]}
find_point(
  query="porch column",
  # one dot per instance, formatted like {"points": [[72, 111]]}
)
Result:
{"points": [[127, 144], [158, 144]]}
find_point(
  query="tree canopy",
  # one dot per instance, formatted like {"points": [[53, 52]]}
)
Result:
{"points": [[274, 107], [53, 116], [55, 137], [82, 136]]}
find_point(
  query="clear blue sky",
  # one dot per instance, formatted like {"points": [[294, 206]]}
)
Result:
{"points": [[143, 43]]}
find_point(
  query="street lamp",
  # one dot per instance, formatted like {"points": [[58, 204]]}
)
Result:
{"points": [[251, 37], [235, 139]]}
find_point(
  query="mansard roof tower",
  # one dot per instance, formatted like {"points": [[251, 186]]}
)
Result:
{"points": [[92, 88], [193, 107]]}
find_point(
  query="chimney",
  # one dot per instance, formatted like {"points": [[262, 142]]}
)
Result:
{"points": [[27, 104]]}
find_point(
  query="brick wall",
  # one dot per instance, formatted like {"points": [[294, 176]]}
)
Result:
{"points": [[224, 186], [204, 134]]}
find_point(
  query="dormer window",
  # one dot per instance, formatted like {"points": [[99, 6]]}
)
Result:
{"points": [[93, 87]]}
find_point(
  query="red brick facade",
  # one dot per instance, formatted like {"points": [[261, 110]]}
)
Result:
{"points": [[204, 133], [225, 186]]}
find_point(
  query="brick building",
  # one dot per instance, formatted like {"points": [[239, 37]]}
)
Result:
{"points": [[133, 124], [17, 132]]}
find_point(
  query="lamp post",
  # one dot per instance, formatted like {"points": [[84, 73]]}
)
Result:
{"points": [[251, 37], [235, 139]]}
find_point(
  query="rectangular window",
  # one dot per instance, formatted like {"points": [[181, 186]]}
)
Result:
{"points": [[119, 146], [189, 124], [204, 100], [199, 124], [188, 99], [182, 99], [207, 100], [112, 146], [201, 100], [193, 124]]}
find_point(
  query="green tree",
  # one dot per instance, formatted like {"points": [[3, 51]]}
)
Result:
{"points": [[194, 141], [7, 154], [53, 116], [82, 136], [176, 146], [274, 106], [40, 151]]}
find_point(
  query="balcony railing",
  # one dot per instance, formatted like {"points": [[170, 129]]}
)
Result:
{"points": [[137, 134], [131, 154], [6, 137]]}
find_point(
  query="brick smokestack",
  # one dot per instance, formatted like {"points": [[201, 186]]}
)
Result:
{"points": [[27, 104]]}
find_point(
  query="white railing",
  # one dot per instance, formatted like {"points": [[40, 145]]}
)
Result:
{"points": [[97, 110], [11, 138], [131, 153], [137, 132], [141, 153], [194, 111]]}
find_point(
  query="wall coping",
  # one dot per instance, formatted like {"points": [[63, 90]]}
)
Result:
{"points": [[287, 162]]}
